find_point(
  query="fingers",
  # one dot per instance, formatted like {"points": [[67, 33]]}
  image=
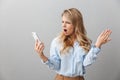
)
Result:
{"points": [[36, 43], [106, 34], [39, 46], [108, 39], [103, 33], [103, 38]]}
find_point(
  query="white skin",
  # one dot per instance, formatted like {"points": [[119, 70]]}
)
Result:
{"points": [[68, 29], [67, 26]]}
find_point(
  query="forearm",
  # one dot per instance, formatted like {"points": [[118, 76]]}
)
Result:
{"points": [[53, 62], [91, 55]]}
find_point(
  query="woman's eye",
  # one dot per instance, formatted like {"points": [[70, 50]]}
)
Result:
{"points": [[68, 22]]}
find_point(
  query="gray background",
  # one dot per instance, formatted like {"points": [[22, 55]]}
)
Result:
{"points": [[18, 18]]}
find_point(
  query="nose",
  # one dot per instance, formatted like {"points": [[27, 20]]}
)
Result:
{"points": [[63, 25]]}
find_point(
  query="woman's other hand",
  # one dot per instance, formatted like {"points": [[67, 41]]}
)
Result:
{"points": [[39, 47], [103, 38]]}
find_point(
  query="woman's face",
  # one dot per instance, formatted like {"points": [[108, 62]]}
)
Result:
{"points": [[67, 26]]}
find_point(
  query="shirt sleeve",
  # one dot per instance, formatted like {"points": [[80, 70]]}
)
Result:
{"points": [[91, 56], [54, 60]]}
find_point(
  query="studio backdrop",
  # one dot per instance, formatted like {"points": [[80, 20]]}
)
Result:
{"points": [[18, 18]]}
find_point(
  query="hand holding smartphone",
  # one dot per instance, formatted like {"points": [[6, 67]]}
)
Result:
{"points": [[35, 36]]}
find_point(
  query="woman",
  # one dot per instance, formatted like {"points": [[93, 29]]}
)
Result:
{"points": [[72, 50]]}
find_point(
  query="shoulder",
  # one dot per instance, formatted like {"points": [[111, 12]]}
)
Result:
{"points": [[55, 41], [55, 44]]}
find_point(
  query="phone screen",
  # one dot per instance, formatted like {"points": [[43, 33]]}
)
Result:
{"points": [[35, 36]]}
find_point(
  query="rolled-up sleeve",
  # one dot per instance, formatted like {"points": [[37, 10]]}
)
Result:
{"points": [[54, 60], [91, 56]]}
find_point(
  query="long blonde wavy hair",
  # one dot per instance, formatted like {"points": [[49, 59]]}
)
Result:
{"points": [[79, 34]]}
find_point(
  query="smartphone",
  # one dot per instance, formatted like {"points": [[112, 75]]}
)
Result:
{"points": [[35, 36]]}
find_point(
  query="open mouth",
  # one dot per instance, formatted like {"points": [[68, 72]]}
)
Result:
{"points": [[65, 30]]}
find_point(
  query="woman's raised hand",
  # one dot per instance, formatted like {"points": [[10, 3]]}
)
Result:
{"points": [[103, 38]]}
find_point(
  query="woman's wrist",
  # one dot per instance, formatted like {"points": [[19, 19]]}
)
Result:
{"points": [[41, 54], [98, 45], [43, 57]]}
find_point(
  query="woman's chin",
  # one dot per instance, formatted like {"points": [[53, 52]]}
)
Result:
{"points": [[65, 34]]}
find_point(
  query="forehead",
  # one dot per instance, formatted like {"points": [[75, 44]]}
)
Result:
{"points": [[66, 18]]}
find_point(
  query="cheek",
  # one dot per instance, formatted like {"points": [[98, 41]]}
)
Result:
{"points": [[71, 29]]}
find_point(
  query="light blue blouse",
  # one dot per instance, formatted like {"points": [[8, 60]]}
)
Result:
{"points": [[72, 63]]}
